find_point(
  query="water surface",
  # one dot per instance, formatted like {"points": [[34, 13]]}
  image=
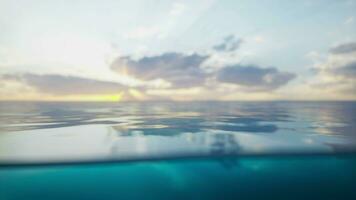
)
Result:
{"points": [[39, 132]]}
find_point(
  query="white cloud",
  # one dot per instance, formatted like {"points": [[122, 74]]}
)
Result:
{"points": [[337, 72]]}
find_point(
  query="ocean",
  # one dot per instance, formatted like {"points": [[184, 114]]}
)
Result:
{"points": [[177, 150]]}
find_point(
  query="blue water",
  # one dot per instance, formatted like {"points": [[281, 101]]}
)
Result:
{"points": [[322, 177], [170, 150]]}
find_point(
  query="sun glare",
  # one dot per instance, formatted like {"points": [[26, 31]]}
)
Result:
{"points": [[113, 97], [106, 98]]}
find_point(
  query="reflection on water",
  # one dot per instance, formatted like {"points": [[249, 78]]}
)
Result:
{"points": [[67, 132]]}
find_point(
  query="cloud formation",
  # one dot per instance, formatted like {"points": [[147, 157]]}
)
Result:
{"points": [[194, 70], [348, 70], [66, 85], [344, 48], [338, 71], [170, 75], [254, 77], [180, 70], [229, 44]]}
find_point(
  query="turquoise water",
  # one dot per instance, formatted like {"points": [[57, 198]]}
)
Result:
{"points": [[322, 177], [171, 150]]}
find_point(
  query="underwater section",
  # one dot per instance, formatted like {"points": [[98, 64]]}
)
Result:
{"points": [[273, 177]]}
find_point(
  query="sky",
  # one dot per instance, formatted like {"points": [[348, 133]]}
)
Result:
{"points": [[112, 50]]}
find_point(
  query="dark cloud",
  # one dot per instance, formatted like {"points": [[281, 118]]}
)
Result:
{"points": [[348, 70], [230, 43], [344, 48], [179, 69], [67, 85], [254, 77]]}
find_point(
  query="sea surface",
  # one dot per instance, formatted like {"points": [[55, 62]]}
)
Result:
{"points": [[178, 150], [37, 133]]}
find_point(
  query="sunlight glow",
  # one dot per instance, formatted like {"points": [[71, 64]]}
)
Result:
{"points": [[108, 98]]}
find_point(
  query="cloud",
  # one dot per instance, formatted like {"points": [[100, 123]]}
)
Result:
{"points": [[337, 72], [254, 77], [229, 44], [66, 85], [348, 70], [12, 88], [180, 70], [344, 48]]}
